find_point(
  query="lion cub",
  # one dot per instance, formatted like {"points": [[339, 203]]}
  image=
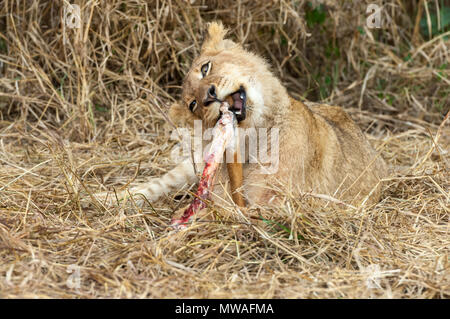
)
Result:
{"points": [[319, 148]]}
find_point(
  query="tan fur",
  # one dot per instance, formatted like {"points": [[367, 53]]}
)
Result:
{"points": [[321, 150], [236, 175]]}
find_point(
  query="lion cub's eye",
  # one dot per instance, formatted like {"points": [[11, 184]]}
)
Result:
{"points": [[205, 69], [193, 106]]}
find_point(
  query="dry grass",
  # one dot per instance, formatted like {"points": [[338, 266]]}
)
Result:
{"points": [[80, 109]]}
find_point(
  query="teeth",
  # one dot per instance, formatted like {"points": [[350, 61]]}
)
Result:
{"points": [[238, 112], [242, 95]]}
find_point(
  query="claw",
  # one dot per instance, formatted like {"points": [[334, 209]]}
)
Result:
{"points": [[178, 224]]}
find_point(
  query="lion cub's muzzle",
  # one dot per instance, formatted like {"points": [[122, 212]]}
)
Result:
{"points": [[238, 100]]}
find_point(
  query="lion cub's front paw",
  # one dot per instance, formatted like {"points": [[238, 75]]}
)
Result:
{"points": [[109, 197], [113, 197]]}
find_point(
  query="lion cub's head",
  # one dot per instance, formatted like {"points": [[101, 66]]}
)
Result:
{"points": [[226, 71]]}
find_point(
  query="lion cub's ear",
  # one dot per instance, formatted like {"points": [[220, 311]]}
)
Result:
{"points": [[214, 38], [180, 115]]}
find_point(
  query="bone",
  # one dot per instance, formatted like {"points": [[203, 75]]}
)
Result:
{"points": [[224, 135]]}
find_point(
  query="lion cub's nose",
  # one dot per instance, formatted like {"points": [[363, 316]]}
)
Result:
{"points": [[212, 92]]}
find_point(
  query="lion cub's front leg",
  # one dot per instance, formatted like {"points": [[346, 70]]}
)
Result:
{"points": [[175, 179], [235, 173]]}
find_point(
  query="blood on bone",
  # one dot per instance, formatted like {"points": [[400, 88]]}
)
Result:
{"points": [[224, 134], [202, 194]]}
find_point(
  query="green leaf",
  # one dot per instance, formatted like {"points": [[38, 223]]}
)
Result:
{"points": [[284, 228], [444, 13], [315, 16], [2, 46], [101, 108]]}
